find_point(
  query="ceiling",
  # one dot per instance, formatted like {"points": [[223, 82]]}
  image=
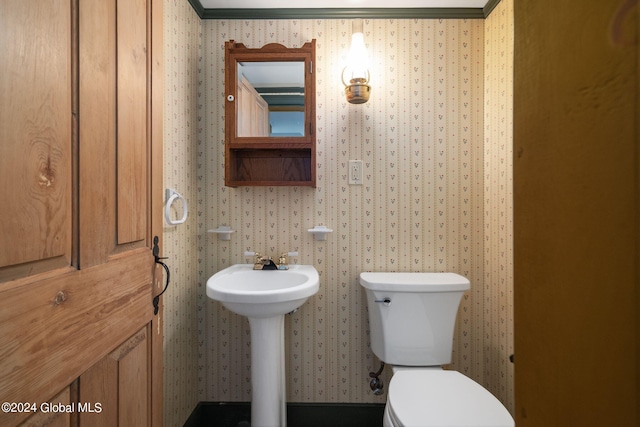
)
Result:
{"points": [[317, 9]]}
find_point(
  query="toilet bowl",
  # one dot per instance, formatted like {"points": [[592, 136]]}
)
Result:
{"points": [[412, 318], [420, 397]]}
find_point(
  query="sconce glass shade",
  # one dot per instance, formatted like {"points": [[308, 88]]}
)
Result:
{"points": [[356, 71]]}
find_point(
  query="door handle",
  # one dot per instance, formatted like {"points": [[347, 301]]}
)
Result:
{"points": [[156, 255]]}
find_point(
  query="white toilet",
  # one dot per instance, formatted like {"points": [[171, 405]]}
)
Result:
{"points": [[412, 317]]}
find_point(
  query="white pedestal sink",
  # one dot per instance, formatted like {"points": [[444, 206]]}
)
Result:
{"points": [[265, 296]]}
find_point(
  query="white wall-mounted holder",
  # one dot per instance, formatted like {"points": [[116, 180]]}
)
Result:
{"points": [[223, 232], [320, 232], [172, 195]]}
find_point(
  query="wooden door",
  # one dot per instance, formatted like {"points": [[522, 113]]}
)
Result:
{"points": [[253, 110], [80, 180], [576, 217]]}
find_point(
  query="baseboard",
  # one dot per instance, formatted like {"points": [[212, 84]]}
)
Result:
{"points": [[238, 414]]}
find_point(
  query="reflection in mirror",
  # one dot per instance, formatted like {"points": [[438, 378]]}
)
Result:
{"points": [[270, 99]]}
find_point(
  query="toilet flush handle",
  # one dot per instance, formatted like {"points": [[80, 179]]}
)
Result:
{"points": [[386, 301]]}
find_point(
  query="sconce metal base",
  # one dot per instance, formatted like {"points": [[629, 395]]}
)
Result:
{"points": [[357, 93]]}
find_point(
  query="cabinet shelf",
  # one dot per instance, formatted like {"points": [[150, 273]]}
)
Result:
{"points": [[271, 167]]}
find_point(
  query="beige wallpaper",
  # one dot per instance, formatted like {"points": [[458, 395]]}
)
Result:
{"points": [[182, 307], [435, 141], [498, 195]]}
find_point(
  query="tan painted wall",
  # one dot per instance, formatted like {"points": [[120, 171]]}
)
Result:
{"points": [[576, 213]]}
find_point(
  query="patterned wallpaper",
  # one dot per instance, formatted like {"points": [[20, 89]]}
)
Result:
{"points": [[498, 203], [182, 307], [435, 143]]}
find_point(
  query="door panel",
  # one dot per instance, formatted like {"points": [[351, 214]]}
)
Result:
{"points": [[79, 138], [97, 130], [97, 385], [48, 415], [113, 80], [132, 167], [117, 382], [35, 186], [133, 380], [54, 330]]}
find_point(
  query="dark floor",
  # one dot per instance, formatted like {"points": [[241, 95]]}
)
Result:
{"points": [[212, 414]]}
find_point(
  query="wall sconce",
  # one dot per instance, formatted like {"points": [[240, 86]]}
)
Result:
{"points": [[357, 71]]}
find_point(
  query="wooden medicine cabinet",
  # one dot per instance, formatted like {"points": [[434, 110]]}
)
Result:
{"points": [[270, 121]]}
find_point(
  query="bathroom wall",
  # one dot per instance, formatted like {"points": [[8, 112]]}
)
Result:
{"points": [[498, 203], [182, 37], [436, 197], [435, 139]]}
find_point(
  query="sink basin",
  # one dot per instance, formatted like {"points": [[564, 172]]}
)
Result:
{"points": [[263, 293], [265, 296]]}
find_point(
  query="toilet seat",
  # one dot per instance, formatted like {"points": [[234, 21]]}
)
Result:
{"points": [[436, 398]]}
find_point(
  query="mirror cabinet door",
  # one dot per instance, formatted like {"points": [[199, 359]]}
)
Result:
{"points": [[270, 115]]}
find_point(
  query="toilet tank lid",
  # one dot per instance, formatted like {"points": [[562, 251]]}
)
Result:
{"points": [[414, 282]]}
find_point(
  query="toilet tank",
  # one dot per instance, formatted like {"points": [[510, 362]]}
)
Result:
{"points": [[412, 315]]}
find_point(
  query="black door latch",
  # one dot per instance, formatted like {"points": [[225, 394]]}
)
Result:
{"points": [[156, 255]]}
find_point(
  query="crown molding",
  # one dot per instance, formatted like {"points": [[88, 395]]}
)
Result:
{"points": [[345, 13], [488, 8]]}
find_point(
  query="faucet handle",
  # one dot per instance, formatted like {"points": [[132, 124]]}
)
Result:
{"points": [[288, 254], [282, 261], [257, 256], [259, 261]]}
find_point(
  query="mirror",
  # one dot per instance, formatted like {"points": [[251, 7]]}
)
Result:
{"points": [[275, 89], [270, 93]]}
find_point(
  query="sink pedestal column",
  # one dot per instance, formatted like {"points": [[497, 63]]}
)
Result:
{"points": [[265, 297], [268, 394]]}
